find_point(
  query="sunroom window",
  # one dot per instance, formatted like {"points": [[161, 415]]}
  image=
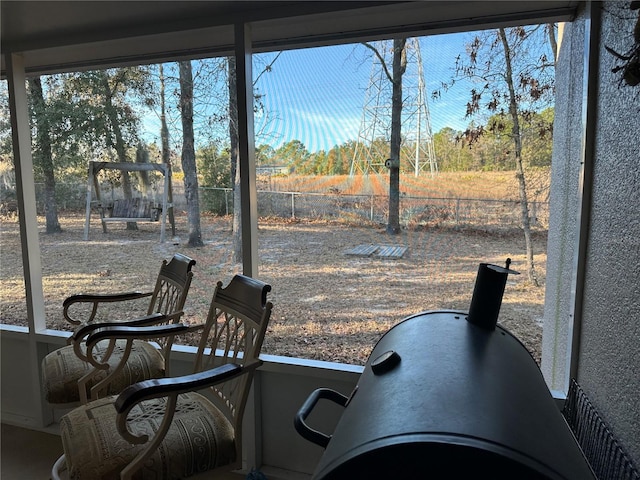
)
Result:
{"points": [[322, 124]]}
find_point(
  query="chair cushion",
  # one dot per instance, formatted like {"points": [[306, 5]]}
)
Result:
{"points": [[199, 439], [62, 369]]}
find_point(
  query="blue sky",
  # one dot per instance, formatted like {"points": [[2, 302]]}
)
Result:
{"points": [[316, 95]]}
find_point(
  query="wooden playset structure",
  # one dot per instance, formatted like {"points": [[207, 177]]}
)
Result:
{"points": [[139, 209]]}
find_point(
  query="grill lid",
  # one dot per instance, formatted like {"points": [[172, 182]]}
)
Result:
{"points": [[443, 396]]}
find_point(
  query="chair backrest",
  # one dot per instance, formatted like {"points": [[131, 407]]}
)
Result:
{"points": [[172, 285], [234, 332], [170, 293]]}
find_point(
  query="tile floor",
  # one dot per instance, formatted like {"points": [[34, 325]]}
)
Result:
{"points": [[27, 454]]}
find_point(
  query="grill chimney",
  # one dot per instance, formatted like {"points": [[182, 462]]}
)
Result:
{"points": [[487, 294]]}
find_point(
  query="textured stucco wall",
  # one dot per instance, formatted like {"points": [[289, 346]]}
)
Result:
{"points": [[609, 354], [564, 200], [609, 368]]}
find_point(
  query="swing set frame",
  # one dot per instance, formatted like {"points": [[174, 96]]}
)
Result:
{"points": [[129, 210]]}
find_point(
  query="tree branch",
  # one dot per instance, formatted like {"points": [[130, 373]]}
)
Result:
{"points": [[267, 68], [381, 58]]}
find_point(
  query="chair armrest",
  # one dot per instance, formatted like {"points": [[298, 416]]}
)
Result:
{"points": [[127, 332], [169, 387], [161, 387], [86, 354], [102, 360], [104, 297], [152, 319], [133, 332], [96, 300]]}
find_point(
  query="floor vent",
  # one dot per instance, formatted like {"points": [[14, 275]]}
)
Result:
{"points": [[606, 456]]}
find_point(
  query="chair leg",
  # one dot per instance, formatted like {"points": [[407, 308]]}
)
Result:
{"points": [[59, 466]]}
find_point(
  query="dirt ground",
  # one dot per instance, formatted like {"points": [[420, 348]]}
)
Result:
{"points": [[327, 305]]}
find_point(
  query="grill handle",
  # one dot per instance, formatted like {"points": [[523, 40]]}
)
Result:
{"points": [[305, 430]]}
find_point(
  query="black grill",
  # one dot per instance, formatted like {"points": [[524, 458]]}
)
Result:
{"points": [[446, 396]]}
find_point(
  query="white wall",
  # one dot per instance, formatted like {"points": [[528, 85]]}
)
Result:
{"points": [[18, 404], [606, 295], [564, 201], [609, 367]]}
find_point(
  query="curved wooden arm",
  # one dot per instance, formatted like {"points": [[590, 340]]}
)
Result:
{"points": [[152, 319], [111, 335], [142, 328], [95, 300], [131, 332], [161, 387], [104, 297], [85, 353], [169, 388]]}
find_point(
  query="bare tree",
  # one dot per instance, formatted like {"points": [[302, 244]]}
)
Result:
{"points": [[551, 32], [164, 137], [233, 148], [399, 66], [517, 140], [189, 154], [43, 155], [233, 157], [513, 71], [164, 129], [117, 141]]}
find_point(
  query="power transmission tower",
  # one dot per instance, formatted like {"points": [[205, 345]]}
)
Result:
{"points": [[372, 148]]}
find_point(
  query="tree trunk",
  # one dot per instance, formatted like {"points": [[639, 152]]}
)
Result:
{"points": [[552, 41], [43, 155], [189, 155], [233, 157], [517, 140], [119, 145], [399, 67], [142, 156], [164, 129], [164, 140]]}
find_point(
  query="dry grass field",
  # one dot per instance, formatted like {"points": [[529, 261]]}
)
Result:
{"points": [[499, 185], [328, 305]]}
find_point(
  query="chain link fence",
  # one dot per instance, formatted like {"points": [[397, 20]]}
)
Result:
{"points": [[415, 211], [374, 209]]}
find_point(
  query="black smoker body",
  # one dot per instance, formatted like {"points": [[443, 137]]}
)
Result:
{"points": [[444, 397]]}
